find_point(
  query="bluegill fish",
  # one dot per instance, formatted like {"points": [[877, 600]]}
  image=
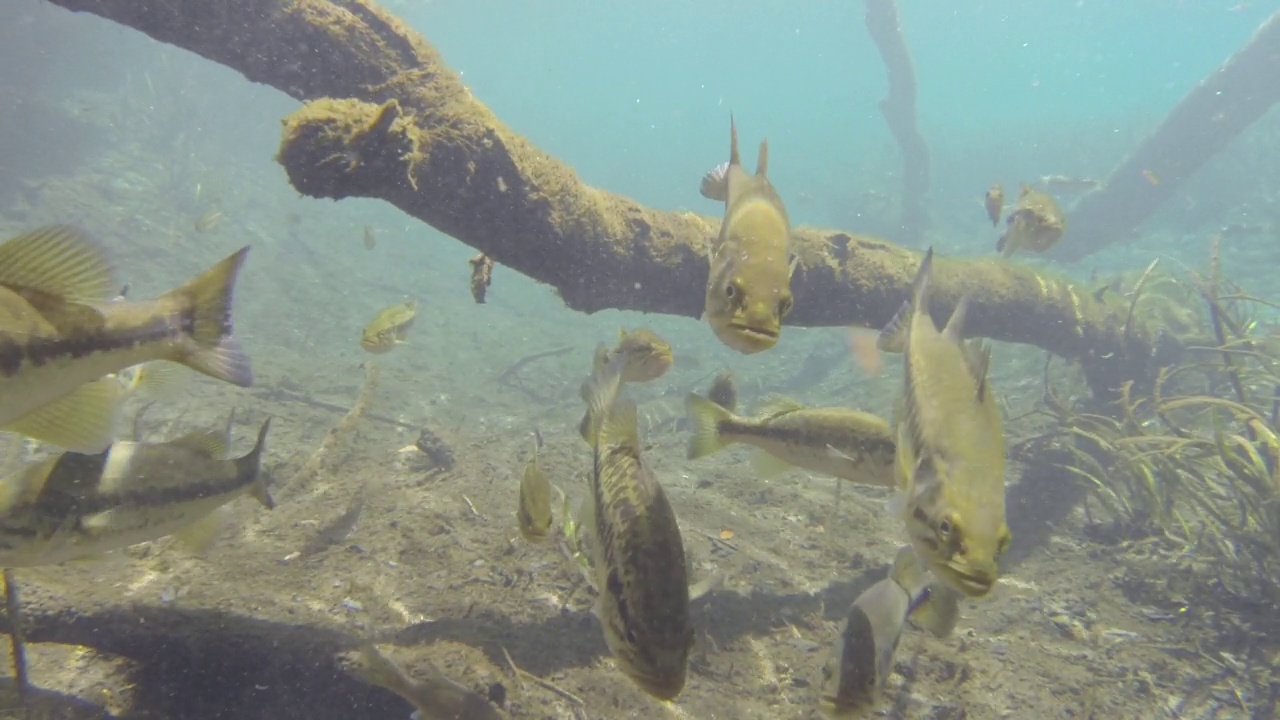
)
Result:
{"points": [[389, 327], [840, 442], [638, 555], [435, 697], [950, 445], [1035, 225], [862, 658], [72, 505], [641, 356], [749, 283], [534, 513], [994, 202], [61, 335]]}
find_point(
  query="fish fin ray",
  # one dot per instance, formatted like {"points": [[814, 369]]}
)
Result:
{"points": [[84, 420], [704, 419], [208, 298], [767, 465], [59, 260], [779, 404], [200, 536]]}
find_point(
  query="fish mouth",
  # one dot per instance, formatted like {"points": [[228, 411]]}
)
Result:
{"points": [[749, 339], [661, 686], [974, 585]]}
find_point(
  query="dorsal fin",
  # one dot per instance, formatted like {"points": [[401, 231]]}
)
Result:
{"points": [[762, 159], [954, 331], [977, 356], [61, 261], [210, 442], [893, 337], [734, 158], [778, 404]]}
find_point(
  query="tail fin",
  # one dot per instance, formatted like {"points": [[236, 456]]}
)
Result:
{"points": [[208, 300], [705, 418], [251, 466]]}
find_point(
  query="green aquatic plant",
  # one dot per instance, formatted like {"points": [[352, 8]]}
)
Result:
{"points": [[1193, 461]]}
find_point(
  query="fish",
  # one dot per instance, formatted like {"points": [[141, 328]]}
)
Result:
{"points": [[994, 202], [723, 391], [862, 657], [638, 556], [950, 445], [1036, 224], [208, 221], [72, 505], [1067, 185], [534, 514], [62, 336], [749, 283], [389, 327], [434, 698], [642, 356], [841, 442]]}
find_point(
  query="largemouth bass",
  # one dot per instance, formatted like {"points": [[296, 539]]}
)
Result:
{"points": [[950, 445], [71, 506], [749, 284], [61, 334]]}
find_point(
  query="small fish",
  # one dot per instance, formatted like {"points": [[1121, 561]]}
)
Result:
{"points": [[715, 184], [208, 221], [435, 698], [749, 283], [995, 202], [1151, 177], [534, 513], [1066, 185], [370, 240], [862, 657], [71, 506], [389, 327], [61, 335], [950, 445], [642, 356], [638, 555], [723, 391], [1036, 224], [840, 442]]}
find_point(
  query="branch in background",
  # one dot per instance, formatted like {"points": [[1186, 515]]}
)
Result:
{"points": [[1202, 124], [407, 131], [899, 110]]}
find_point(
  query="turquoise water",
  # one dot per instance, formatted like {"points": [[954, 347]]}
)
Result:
{"points": [[140, 142]]}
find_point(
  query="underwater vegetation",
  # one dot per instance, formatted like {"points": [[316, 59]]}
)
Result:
{"points": [[1190, 466]]}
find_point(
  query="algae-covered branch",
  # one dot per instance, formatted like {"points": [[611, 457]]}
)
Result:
{"points": [[384, 117]]}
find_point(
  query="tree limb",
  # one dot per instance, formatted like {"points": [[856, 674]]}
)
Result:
{"points": [[385, 117]]}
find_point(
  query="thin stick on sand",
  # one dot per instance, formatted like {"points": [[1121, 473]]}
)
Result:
{"points": [[335, 435]]}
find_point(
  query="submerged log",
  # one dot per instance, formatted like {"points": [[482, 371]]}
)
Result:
{"points": [[384, 117], [899, 110], [1204, 122]]}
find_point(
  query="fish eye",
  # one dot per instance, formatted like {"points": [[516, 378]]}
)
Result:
{"points": [[631, 637], [944, 527], [730, 291]]}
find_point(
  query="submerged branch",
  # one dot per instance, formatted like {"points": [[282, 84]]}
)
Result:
{"points": [[899, 110], [403, 128]]}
